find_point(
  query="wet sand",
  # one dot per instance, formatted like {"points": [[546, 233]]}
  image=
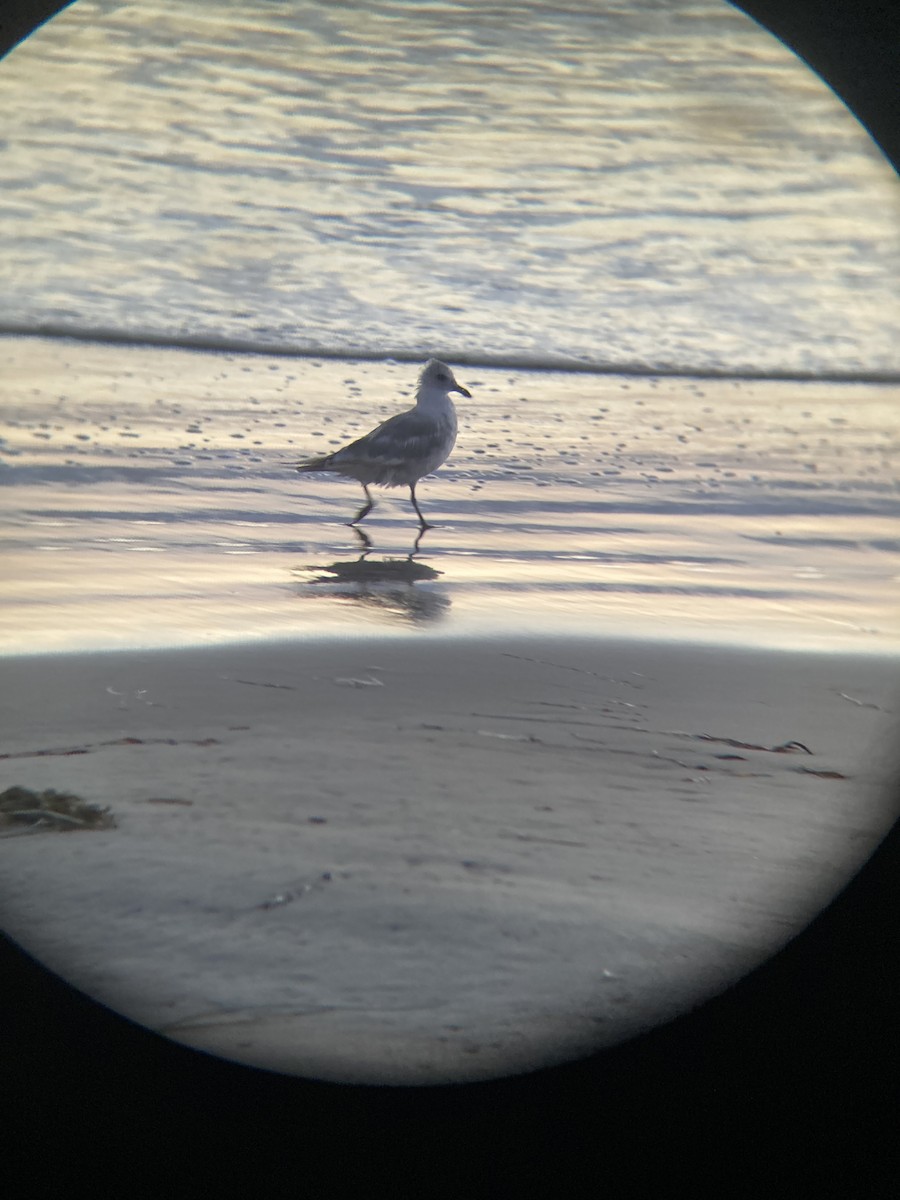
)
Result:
{"points": [[414, 860], [150, 500]]}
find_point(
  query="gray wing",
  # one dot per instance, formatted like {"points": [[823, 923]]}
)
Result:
{"points": [[408, 435]]}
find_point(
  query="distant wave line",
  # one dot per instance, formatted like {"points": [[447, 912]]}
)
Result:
{"points": [[210, 343]]}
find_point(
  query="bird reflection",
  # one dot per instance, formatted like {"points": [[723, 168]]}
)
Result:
{"points": [[366, 544], [386, 584]]}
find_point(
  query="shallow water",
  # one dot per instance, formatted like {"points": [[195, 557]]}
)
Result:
{"points": [[150, 501]]}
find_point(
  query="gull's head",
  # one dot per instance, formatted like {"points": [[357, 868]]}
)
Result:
{"points": [[437, 377]]}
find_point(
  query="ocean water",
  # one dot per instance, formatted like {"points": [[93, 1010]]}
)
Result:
{"points": [[657, 249], [656, 184]]}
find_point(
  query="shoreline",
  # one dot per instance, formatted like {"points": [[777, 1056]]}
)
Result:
{"points": [[417, 860], [562, 363], [354, 632]]}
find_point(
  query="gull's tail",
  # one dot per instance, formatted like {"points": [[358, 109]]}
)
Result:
{"points": [[324, 462]]}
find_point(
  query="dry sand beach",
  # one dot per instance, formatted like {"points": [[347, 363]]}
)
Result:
{"points": [[419, 860]]}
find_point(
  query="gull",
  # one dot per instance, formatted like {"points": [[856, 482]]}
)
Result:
{"points": [[405, 447]]}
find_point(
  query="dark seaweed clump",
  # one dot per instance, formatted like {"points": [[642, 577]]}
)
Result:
{"points": [[51, 811]]}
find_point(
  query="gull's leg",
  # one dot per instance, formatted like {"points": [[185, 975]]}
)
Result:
{"points": [[412, 496], [365, 541], [366, 508]]}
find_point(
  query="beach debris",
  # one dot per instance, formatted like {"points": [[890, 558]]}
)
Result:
{"points": [[289, 894], [370, 681], [579, 670], [168, 800], [542, 720], [508, 737], [860, 703], [531, 837], [483, 864], [51, 811], [139, 694], [125, 741], [821, 774], [281, 687], [783, 748], [280, 898]]}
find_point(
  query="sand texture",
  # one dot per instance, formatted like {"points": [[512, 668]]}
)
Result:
{"points": [[413, 860]]}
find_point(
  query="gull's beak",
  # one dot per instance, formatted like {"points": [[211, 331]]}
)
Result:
{"points": [[460, 388]]}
